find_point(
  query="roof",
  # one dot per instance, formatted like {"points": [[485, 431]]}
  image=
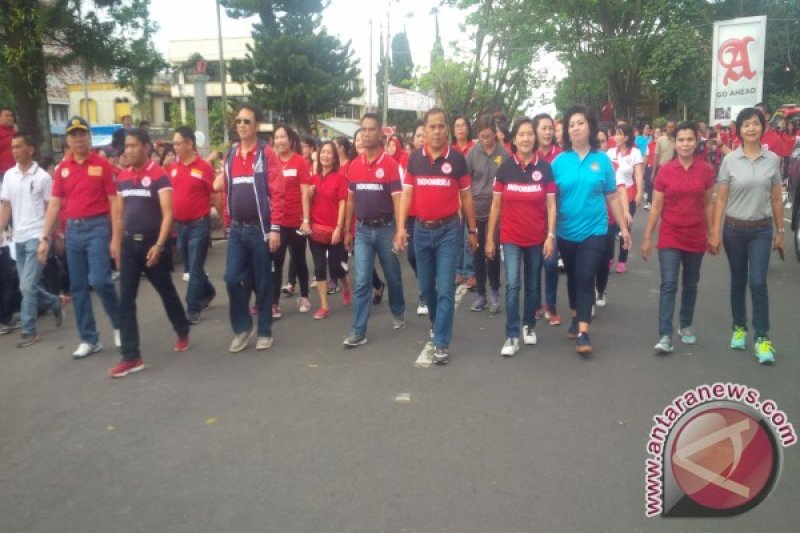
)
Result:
{"points": [[344, 127]]}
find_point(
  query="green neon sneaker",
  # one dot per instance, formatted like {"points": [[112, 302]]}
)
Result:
{"points": [[764, 351], [739, 338]]}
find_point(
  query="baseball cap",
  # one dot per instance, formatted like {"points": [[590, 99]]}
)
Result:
{"points": [[77, 123]]}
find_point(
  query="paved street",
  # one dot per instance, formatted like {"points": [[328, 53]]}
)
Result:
{"points": [[309, 437]]}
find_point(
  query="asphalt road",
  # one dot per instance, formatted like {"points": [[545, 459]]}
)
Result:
{"points": [[309, 437]]}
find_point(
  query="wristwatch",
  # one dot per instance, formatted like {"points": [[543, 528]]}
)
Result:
{"points": [[473, 231]]}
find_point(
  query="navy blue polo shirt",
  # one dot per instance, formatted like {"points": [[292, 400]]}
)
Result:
{"points": [[139, 189], [373, 184]]}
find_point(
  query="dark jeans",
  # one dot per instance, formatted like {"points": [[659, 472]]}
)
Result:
{"points": [[483, 265], [297, 243], [438, 253], [608, 256], [464, 264], [90, 264], [328, 258], [671, 261], [581, 263], [411, 254], [132, 263], [550, 280], [648, 183], [748, 251], [6, 286], [623, 253], [194, 237], [517, 258], [247, 268]]}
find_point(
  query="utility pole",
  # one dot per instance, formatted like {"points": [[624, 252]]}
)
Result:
{"points": [[223, 79], [386, 68], [371, 81]]}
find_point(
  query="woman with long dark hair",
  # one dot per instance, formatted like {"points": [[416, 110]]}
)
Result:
{"points": [[462, 134], [586, 185], [328, 196], [525, 202], [295, 226], [629, 166], [749, 203]]}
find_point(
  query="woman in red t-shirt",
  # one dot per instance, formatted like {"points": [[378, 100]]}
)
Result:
{"points": [[462, 134], [328, 195], [682, 203], [395, 149], [296, 175], [524, 200]]}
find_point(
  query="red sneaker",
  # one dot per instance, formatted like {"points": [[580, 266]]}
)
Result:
{"points": [[182, 344], [347, 297], [322, 313], [126, 367]]}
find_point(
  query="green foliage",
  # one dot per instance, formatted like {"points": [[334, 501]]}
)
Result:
{"points": [[175, 115]]}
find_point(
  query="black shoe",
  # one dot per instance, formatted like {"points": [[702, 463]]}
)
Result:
{"points": [[377, 294], [210, 299], [440, 356], [194, 318], [27, 339]]}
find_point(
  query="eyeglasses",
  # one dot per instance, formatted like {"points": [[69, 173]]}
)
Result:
{"points": [[245, 121]]}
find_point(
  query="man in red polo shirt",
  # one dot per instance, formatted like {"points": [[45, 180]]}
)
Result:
{"points": [[83, 183], [437, 176], [192, 189], [7, 132], [374, 202], [146, 205]]}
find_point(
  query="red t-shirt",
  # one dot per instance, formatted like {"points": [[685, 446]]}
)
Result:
{"points": [[651, 153], [437, 183], [85, 186], [329, 191], [6, 158], [683, 221], [192, 187], [295, 172], [551, 153], [781, 145], [524, 190], [466, 148]]}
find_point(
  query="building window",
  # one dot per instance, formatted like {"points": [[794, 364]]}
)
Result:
{"points": [[58, 113]]}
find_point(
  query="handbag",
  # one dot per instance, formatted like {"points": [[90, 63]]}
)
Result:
{"points": [[322, 233]]}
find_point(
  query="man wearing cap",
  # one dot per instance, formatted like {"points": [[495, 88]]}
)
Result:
{"points": [[25, 192], [192, 189], [146, 206], [83, 182], [254, 194]]}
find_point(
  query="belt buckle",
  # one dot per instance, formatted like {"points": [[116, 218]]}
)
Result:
{"points": [[138, 237]]}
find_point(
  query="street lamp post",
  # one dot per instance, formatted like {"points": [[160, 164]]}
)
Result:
{"points": [[223, 79]]}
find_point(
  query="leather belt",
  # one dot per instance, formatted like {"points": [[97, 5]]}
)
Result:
{"points": [[376, 222], [764, 222], [139, 237], [433, 224]]}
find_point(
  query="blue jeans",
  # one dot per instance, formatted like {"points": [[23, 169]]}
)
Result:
{"points": [[437, 253], [466, 265], [193, 238], [671, 261], [34, 297], [748, 251], [248, 259], [550, 280], [517, 257], [372, 241], [90, 264]]}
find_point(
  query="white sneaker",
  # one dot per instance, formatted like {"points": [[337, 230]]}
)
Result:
{"points": [[510, 348], [528, 335], [185, 276], [85, 349], [117, 338], [422, 309], [602, 300]]}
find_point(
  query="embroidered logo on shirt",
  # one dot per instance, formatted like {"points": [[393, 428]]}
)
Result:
{"points": [[537, 175], [64, 172], [595, 166], [196, 173], [175, 172], [146, 181], [379, 173], [447, 168], [95, 170], [290, 173], [498, 160]]}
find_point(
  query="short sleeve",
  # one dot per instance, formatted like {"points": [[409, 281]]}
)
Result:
{"points": [[303, 172], [58, 190], [409, 179], [341, 192], [108, 179], [47, 187], [162, 183], [724, 174], [396, 184], [465, 182], [776, 172], [610, 176], [636, 157]]}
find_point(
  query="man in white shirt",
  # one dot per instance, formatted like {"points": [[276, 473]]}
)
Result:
{"points": [[25, 193]]}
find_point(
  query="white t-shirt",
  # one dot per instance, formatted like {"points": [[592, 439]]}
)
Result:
{"points": [[625, 164], [28, 194]]}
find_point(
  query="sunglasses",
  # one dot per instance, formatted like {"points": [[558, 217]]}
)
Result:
{"points": [[245, 121]]}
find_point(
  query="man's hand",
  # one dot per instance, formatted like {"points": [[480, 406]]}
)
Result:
{"points": [[490, 248], [113, 249], [274, 241], [44, 247], [646, 248], [473, 242], [153, 256], [348, 241], [400, 239]]}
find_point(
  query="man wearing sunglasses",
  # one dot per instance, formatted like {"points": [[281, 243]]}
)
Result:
{"points": [[253, 185]]}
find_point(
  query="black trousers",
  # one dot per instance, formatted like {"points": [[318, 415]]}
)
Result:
{"points": [[482, 264], [608, 255], [297, 243], [581, 263], [328, 258], [132, 263]]}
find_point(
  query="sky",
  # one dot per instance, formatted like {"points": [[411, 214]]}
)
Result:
{"points": [[347, 19]]}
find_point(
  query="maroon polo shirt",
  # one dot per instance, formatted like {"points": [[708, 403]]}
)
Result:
{"points": [[373, 183]]}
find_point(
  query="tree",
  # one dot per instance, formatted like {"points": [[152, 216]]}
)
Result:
{"points": [[401, 74], [72, 34]]}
